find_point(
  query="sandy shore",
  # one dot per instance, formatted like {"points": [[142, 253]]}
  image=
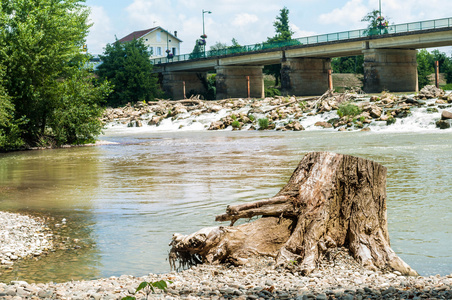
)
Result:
{"points": [[338, 277]]}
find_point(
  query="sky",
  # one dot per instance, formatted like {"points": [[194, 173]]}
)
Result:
{"points": [[248, 21]]}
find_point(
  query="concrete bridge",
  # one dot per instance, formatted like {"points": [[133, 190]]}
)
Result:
{"points": [[389, 62]]}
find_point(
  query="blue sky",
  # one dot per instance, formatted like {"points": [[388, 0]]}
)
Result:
{"points": [[248, 21]]}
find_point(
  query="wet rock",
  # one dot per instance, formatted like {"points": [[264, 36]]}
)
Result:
{"points": [[155, 120], [375, 112], [217, 125], [446, 115], [443, 124], [323, 124]]}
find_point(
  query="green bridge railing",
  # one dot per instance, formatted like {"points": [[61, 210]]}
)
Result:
{"points": [[323, 38]]}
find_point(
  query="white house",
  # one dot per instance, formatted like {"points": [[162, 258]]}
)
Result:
{"points": [[158, 39]]}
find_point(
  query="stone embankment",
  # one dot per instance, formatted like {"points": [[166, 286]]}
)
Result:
{"points": [[338, 276], [285, 113]]}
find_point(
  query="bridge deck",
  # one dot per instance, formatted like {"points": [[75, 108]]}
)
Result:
{"points": [[423, 34]]}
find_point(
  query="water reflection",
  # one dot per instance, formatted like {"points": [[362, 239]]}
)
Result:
{"points": [[131, 197]]}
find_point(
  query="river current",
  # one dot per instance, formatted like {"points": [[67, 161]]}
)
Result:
{"points": [[125, 200]]}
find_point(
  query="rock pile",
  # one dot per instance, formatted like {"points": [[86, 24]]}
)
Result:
{"points": [[282, 113]]}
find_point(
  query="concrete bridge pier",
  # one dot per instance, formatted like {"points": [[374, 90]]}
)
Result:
{"points": [[393, 70], [173, 83], [234, 82], [305, 76]]}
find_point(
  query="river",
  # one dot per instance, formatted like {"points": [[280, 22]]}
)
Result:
{"points": [[125, 200]]}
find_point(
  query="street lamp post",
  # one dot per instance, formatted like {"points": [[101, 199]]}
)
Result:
{"points": [[379, 9], [203, 28], [167, 44]]}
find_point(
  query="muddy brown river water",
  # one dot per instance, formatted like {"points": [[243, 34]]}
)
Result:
{"points": [[124, 201]]}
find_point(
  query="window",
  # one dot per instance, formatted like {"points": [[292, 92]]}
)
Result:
{"points": [[174, 51], [169, 41], [159, 36], [159, 51]]}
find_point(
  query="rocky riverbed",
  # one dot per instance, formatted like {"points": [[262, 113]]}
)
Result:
{"points": [[355, 111], [338, 277]]}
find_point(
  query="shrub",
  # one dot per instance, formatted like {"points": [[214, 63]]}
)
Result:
{"points": [[390, 121], [447, 87], [348, 109], [263, 123], [272, 91], [235, 124]]}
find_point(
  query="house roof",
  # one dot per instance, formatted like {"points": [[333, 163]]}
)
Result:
{"points": [[141, 33]]}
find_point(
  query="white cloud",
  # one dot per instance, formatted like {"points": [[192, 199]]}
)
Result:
{"points": [[244, 19], [348, 15], [101, 33], [298, 33]]}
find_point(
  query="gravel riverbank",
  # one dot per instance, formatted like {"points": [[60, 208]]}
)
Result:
{"points": [[22, 237], [338, 277]]}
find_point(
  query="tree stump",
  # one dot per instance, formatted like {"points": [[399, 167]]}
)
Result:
{"points": [[331, 200]]}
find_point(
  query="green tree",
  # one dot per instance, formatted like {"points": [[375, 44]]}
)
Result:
{"points": [[375, 24], [445, 63], [283, 34], [424, 67], [10, 133], [197, 51], [41, 42], [348, 64], [282, 27], [218, 46], [448, 70], [128, 68]]}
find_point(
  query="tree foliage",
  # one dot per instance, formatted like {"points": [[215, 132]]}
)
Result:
{"points": [[10, 133], [424, 67], [41, 42], [282, 27], [282, 33], [198, 51], [348, 64], [218, 46], [375, 25], [128, 68]]}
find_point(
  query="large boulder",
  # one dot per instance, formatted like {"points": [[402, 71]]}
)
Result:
{"points": [[446, 115]]}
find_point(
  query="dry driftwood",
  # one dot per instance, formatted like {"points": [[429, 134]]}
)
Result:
{"points": [[331, 201]]}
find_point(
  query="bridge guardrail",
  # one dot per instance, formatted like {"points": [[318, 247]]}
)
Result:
{"points": [[329, 37]]}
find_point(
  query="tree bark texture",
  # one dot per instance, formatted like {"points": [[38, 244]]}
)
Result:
{"points": [[331, 200]]}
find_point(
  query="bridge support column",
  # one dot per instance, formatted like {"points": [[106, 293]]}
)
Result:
{"points": [[173, 83], [234, 81], [305, 76], [394, 70]]}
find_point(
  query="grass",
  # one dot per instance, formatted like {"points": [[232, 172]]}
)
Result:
{"points": [[348, 109], [263, 123]]}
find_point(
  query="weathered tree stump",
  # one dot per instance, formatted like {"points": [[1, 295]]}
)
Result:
{"points": [[331, 200]]}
